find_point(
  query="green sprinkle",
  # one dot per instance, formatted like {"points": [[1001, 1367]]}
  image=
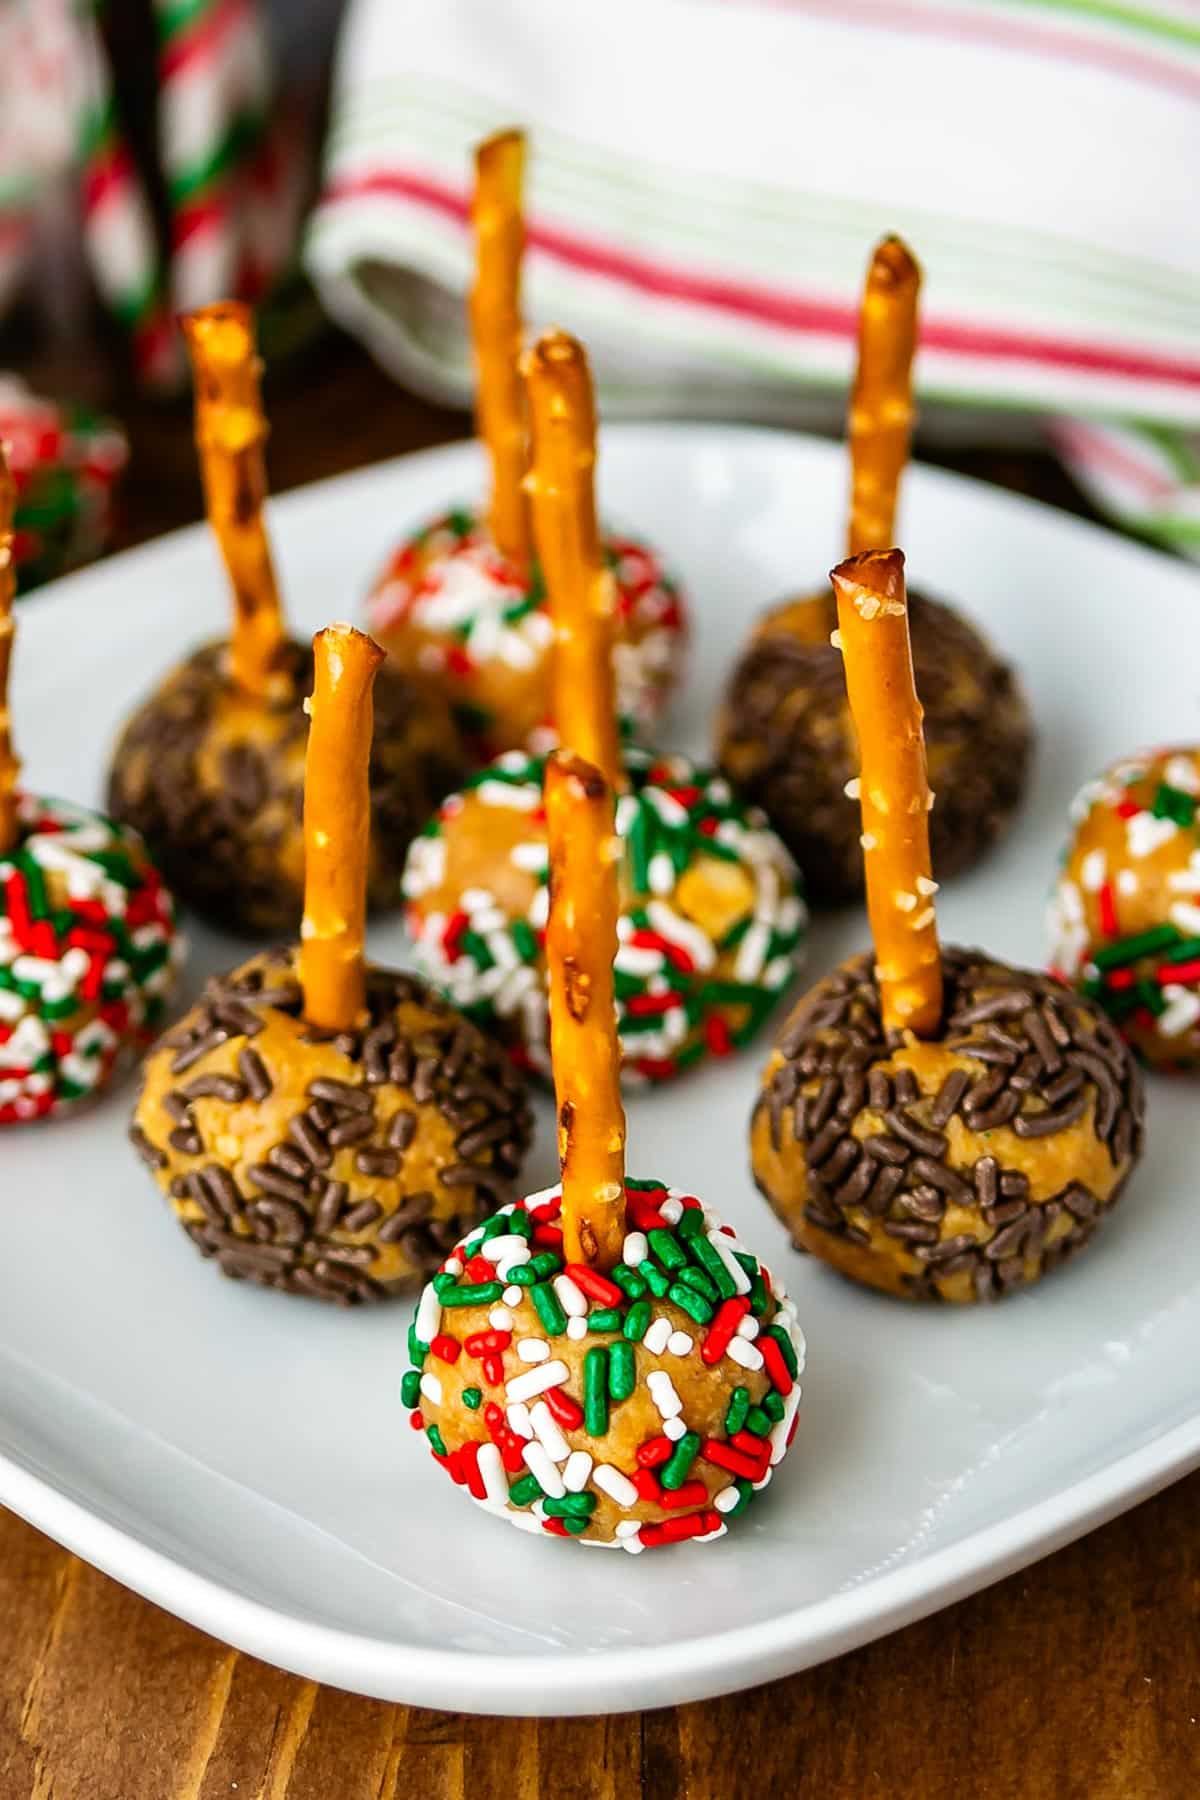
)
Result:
{"points": [[677, 1469], [595, 1391], [691, 1222], [571, 1506], [786, 1350], [745, 1496], [524, 1275], [714, 1267], [524, 1490], [772, 1405], [758, 1422], [696, 1278], [622, 1369], [574, 1524], [632, 1185], [524, 941], [759, 1300], [443, 1280], [1183, 952], [546, 1262], [735, 1413], [629, 1279], [1143, 943], [1151, 996], [417, 1351], [549, 1308], [663, 1244], [477, 949], [1173, 803], [655, 1280], [410, 1388], [436, 1439], [520, 1222], [605, 1318], [471, 1397], [498, 1225], [637, 1321], [479, 1293], [693, 1304]]}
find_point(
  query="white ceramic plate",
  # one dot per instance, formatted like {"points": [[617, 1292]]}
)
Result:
{"points": [[242, 1458]]}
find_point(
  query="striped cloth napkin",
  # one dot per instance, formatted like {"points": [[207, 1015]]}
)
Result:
{"points": [[708, 177]]}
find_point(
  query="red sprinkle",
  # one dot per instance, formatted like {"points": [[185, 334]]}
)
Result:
{"points": [[483, 1343], [469, 1463], [719, 1335], [655, 1450], [720, 1454], [1119, 979], [777, 1369], [453, 935], [1183, 971], [1107, 902], [446, 1348], [594, 1285], [561, 1407], [675, 1531], [492, 1368], [555, 1527], [692, 1493], [642, 1210], [1126, 809], [453, 1462], [716, 1035], [477, 1269], [647, 1484], [550, 1237], [416, 1420], [650, 1006]]}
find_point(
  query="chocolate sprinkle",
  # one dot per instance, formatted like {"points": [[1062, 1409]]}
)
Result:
{"points": [[1054, 1065], [282, 1221], [222, 847], [787, 744]]}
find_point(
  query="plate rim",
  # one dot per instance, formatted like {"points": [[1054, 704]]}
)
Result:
{"points": [[639, 1676]]}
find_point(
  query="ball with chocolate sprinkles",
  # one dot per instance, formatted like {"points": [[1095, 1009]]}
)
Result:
{"points": [[785, 740], [633, 1409], [342, 1165], [958, 1167], [1125, 915], [213, 778]]}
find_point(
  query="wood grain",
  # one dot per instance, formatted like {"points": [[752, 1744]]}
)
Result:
{"points": [[1077, 1680]]}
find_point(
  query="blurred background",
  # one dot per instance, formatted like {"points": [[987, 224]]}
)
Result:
{"points": [[707, 180]]}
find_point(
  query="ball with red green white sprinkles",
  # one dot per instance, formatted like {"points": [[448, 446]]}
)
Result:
{"points": [[450, 607], [88, 956], [711, 928], [643, 1407], [1125, 911]]}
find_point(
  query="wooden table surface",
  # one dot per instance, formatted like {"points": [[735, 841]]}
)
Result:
{"points": [[1076, 1680]]}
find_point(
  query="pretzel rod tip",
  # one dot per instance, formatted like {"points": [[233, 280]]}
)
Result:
{"points": [[495, 311], [893, 788], [881, 405], [581, 943], [10, 765], [230, 434], [337, 823], [582, 596]]}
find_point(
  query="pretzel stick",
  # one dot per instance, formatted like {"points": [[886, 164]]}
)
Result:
{"points": [[581, 943], [893, 788], [230, 433], [496, 333], [337, 827], [10, 763], [881, 406], [582, 595]]}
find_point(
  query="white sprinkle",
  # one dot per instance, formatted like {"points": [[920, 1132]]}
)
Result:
{"points": [[779, 1433], [657, 1336], [500, 1319], [491, 1473], [543, 1470], [1186, 917], [513, 1296], [577, 1329], [573, 1298], [748, 1328], [661, 872], [576, 1470], [853, 788], [453, 1265], [663, 1394], [539, 908], [431, 1387], [679, 1344], [530, 857], [524, 798], [726, 1499], [669, 924], [518, 1417], [749, 1356], [533, 1350], [546, 1430], [628, 1528], [1180, 1013], [631, 960], [674, 1429], [724, 1249], [671, 1210], [635, 1249], [495, 1249], [1127, 881], [524, 1387], [428, 1321], [1144, 834], [616, 1485], [752, 953]]}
